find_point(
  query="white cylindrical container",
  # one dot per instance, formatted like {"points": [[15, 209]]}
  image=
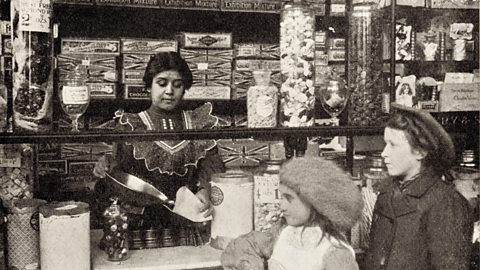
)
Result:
{"points": [[459, 50], [65, 236], [23, 250], [232, 200]]}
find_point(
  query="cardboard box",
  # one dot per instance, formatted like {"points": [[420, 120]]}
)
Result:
{"points": [[240, 153], [257, 51], [136, 91], [336, 55], [428, 105], [412, 3], [130, 3], [207, 55], [147, 46], [205, 40], [85, 151], [460, 97], [89, 46], [208, 93], [48, 167], [102, 90], [453, 4], [101, 67]]}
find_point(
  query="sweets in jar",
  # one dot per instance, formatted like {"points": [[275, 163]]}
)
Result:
{"points": [[297, 44], [262, 101]]}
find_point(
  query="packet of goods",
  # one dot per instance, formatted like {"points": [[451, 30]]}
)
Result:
{"points": [[3, 108], [15, 172], [266, 209], [32, 42]]}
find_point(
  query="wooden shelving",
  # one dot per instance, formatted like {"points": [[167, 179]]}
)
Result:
{"points": [[227, 133]]}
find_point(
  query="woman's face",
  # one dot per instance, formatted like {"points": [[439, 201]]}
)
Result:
{"points": [[400, 158], [295, 211], [167, 90]]}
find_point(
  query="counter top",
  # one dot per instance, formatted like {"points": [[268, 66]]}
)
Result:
{"points": [[182, 257]]}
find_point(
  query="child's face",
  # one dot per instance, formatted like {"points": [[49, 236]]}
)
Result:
{"points": [[295, 211], [400, 158]]}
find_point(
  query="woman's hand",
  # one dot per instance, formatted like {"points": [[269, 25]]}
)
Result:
{"points": [[103, 165], [204, 196]]}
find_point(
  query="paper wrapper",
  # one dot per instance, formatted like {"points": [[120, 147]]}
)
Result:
{"points": [[187, 205]]}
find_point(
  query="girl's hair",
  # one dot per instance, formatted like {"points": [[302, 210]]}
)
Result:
{"points": [[329, 230], [417, 139], [164, 61], [317, 219]]}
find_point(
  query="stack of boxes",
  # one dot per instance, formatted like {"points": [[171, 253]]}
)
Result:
{"points": [[100, 58], [209, 56], [250, 57], [135, 54]]}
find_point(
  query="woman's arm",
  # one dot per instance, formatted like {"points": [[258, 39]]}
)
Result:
{"points": [[211, 164]]}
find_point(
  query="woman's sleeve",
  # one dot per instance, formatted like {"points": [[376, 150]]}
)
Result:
{"points": [[211, 164], [249, 251], [339, 259]]}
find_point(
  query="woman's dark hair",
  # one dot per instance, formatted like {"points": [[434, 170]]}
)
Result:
{"points": [[417, 139], [164, 61]]}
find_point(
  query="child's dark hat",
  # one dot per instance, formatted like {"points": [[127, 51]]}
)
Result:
{"points": [[439, 139]]}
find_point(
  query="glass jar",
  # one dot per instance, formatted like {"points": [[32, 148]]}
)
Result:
{"points": [[262, 101], [297, 45], [468, 159], [32, 41], [115, 239], [365, 63], [375, 172], [266, 198]]}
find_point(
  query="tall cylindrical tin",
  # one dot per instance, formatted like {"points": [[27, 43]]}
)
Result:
{"points": [[232, 199], [297, 48], [65, 236], [32, 39], [22, 234]]}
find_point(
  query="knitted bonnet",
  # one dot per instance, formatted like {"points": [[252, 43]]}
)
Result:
{"points": [[326, 187]]}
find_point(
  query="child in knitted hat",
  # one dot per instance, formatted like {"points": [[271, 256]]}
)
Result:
{"points": [[320, 203]]}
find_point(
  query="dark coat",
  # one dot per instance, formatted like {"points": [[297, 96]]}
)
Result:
{"points": [[426, 226]]}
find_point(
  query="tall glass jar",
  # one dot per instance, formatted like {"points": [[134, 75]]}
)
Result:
{"points": [[365, 65], [32, 40], [262, 101], [297, 44], [266, 181]]}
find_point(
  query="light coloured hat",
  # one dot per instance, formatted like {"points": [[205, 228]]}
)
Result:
{"points": [[328, 188]]}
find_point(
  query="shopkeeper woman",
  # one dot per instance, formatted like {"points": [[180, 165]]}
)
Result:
{"points": [[168, 165]]}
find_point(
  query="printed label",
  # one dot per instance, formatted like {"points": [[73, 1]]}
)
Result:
{"points": [[35, 15], [75, 95], [266, 188], [216, 196]]}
